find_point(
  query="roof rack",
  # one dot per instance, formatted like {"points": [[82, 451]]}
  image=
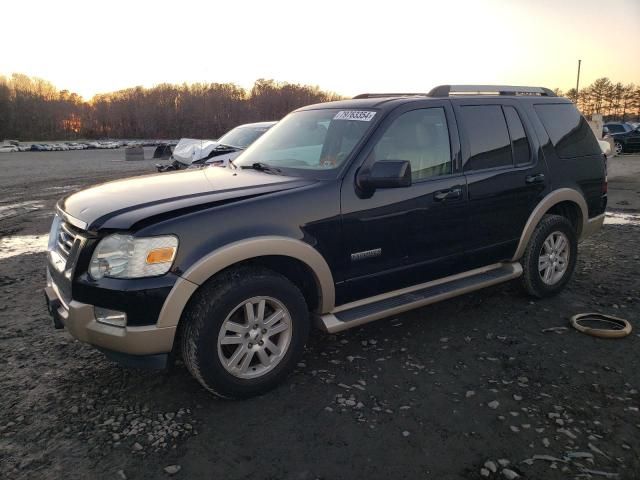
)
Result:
{"points": [[383, 95], [446, 90]]}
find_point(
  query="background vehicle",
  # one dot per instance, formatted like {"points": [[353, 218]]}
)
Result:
{"points": [[197, 153], [343, 213], [605, 146], [626, 138]]}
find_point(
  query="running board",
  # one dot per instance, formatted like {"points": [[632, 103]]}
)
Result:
{"points": [[364, 311]]}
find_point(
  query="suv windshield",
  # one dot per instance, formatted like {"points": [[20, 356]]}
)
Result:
{"points": [[242, 137], [310, 140]]}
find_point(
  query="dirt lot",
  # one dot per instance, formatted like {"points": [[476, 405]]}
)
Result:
{"points": [[433, 394]]}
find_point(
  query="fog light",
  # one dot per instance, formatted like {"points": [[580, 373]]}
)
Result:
{"points": [[110, 317]]}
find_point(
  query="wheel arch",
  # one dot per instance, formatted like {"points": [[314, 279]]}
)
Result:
{"points": [[288, 256], [566, 202]]}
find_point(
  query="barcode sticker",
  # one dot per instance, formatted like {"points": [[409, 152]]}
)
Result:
{"points": [[360, 115]]}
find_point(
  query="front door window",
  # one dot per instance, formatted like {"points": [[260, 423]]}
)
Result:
{"points": [[421, 137]]}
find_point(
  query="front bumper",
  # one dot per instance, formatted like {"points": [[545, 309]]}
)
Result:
{"points": [[80, 320]]}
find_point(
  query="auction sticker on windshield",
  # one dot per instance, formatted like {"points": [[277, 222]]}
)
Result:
{"points": [[360, 115]]}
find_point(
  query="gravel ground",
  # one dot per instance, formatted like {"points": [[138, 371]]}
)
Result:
{"points": [[481, 386]]}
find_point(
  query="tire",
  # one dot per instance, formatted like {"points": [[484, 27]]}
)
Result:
{"points": [[222, 301], [538, 254], [618, 148]]}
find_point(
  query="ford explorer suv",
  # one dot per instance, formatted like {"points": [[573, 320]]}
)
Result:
{"points": [[341, 214]]}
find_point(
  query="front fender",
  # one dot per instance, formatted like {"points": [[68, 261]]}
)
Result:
{"points": [[239, 251]]}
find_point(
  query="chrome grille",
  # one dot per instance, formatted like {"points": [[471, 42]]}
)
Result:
{"points": [[66, 237]]}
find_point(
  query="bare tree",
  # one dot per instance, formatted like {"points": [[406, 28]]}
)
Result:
{"points": [[32, 108]]}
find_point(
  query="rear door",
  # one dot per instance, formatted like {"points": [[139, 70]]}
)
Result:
{"points": [[505, 176], [405, 236]]}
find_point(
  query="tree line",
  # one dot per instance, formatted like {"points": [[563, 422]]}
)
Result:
{"points": [[33, 109], [614, 101]]}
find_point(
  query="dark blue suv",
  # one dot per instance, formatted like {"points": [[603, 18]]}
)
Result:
{"points": [[343, 213]]}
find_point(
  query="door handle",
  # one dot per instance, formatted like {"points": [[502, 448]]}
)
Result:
{"points": [[449, 194], [537, 178]]}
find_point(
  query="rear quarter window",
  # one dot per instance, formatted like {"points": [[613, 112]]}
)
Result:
{"points": [[568, 130]]}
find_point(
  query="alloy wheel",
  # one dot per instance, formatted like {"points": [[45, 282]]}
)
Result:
{"points": [[254, 337], [554, 258], [618, 148]]}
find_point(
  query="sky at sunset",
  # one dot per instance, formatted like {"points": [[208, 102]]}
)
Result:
{"points": [[343, 46]]}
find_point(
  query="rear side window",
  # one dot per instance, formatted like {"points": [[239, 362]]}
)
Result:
{"points": [[488, 137], [521, 152], [568, 130]]}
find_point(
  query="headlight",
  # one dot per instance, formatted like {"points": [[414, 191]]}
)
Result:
{"points": [[53, 233], [124, 256]]}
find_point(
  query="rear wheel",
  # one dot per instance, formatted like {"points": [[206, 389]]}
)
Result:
{"points": [[550, 257], [244, 332]]}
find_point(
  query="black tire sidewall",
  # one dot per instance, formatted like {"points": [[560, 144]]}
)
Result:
{"points": [[550, 224], [218, 307]]}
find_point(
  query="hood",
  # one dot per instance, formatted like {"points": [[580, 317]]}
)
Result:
{"points": [[189, 150], [123, 203]]}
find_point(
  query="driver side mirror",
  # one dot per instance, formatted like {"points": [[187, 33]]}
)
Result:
{"points": [[384, 174]]}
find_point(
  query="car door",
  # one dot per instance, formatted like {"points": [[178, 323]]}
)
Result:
{"points": [[404, 236], [505, 178]]}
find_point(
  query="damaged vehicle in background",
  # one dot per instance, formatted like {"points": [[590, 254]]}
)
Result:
{"points": [[193, 153]]}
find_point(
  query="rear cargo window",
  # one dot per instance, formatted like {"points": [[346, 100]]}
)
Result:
{"points": [[568, 130], [489, 142], [521, 153]]}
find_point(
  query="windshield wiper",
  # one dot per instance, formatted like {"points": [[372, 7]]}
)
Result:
{"points": [[262, 167]]}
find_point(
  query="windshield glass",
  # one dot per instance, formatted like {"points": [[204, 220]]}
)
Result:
{"points": [[242, 137], [310, 140]]}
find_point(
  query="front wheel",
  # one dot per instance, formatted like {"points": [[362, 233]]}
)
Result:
{"points": [[550, 258], [244, 332], [617, 146]]}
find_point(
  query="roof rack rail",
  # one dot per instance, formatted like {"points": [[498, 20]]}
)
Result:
{"points": [[383, 95], [446, 90]]}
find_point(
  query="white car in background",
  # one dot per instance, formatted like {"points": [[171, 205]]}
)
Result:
{"points": [[193, 153], [606, 147], [235, 141]]}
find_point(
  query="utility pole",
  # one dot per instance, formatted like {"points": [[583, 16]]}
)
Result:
{"points": [[578, 82]]}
